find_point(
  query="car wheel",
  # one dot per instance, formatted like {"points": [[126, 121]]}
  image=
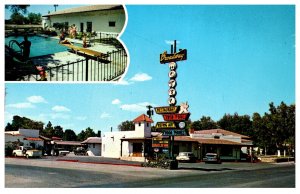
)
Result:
{"points": [[27, 156], [15, 155]]}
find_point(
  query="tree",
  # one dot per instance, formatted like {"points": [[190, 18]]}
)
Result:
{"points": [[25, 123], [235, 123], [261, 135], [126, 126], [17, 18], [204, 123], [84, 134], [48, 131], [69, 135], [281, 123], [9, 127], [17, 8], [34, 18], [58, 131]]}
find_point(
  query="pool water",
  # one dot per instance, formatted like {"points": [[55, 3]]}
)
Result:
{"points": [[39, 45]]}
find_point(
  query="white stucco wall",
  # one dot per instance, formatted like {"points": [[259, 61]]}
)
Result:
{"points": [[111, 141], [12, 138], [94, 149], [29, 132], [237, 139], [100, 20]]}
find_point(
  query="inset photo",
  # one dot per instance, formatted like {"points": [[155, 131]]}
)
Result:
{"points": [[65, 43]]}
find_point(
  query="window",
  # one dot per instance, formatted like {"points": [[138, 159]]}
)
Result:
{"points": [[93, 145], [147, 124], [111, 23], [216, 137], [139, 124]]}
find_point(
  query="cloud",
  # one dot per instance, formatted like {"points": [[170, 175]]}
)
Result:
{"points": [[105, 115], [60, 109], [81, 118], [36, 99], [116, 101], [138, 107], [122, 82], [59, 116], [170, 42], [21, 105], [140, 77]]}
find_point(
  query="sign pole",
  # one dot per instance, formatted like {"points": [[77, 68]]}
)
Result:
{"points": [[172, 137]]}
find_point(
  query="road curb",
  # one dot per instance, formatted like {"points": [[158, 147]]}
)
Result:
{"points": [[107, 163]]}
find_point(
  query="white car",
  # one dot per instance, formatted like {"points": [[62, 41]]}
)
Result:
{"points": [[27, 152], [186, 157]]}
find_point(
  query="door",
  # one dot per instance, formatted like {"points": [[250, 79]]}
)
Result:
{"points": [[81, 27], [137, 149], [89, 27]]}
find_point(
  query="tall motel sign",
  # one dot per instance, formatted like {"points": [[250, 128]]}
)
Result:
{"points": [[174, 116]]}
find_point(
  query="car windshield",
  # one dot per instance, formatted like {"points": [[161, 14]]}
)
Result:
{"points": [[210, 155], [182, 154]]}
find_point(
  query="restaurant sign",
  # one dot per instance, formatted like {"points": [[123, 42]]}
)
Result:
{"points": [[166, 109], [160, 143], [176, 117], [165, 125], [177, 132], [179, 56]]}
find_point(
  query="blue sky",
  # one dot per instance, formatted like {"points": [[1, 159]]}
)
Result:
{"points": [[240, 58]]}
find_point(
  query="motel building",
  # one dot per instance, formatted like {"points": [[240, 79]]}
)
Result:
{"points": [[129, 145], [137, 145], [29, 137], [93, 18]]}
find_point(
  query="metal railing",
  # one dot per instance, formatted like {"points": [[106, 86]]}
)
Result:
{"points": [[88, 69], [105, 38]]}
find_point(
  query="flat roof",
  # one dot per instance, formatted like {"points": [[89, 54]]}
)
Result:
{"points": [[88, 8]]}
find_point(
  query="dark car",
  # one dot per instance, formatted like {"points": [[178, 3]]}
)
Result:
{"points": [[247, 157], [80, 151], [212, 158]]}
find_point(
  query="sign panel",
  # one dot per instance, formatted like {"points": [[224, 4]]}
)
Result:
{"points": [[176, 117], [179, 56], [160, 143], [166, 109], [165, 125], [176, 132]]}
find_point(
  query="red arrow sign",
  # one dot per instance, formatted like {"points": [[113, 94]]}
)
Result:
{"points": [[176, 117]]}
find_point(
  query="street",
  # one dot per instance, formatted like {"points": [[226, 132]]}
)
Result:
{"points": [[43, 173]]}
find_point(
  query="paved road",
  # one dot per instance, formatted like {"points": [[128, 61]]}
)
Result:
{"points": [[55, 174]]}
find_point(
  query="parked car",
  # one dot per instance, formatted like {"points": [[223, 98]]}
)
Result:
{"points": [[247, 157], [212, 158], [59, 152], [28, 152], [186, 157], [80, 151]]}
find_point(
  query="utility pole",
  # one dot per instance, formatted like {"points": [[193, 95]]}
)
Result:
{"points": [[149, 111], [55, 7]]}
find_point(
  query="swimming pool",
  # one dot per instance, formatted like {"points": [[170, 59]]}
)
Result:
{"points": [[40, 45]]}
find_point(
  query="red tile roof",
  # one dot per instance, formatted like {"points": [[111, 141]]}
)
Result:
{"points": [[56, 138], [225, 132], [141, 118], [33, 139]]}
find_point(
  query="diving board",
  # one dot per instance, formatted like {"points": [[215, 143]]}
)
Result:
{"points": [[86, 51]]}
